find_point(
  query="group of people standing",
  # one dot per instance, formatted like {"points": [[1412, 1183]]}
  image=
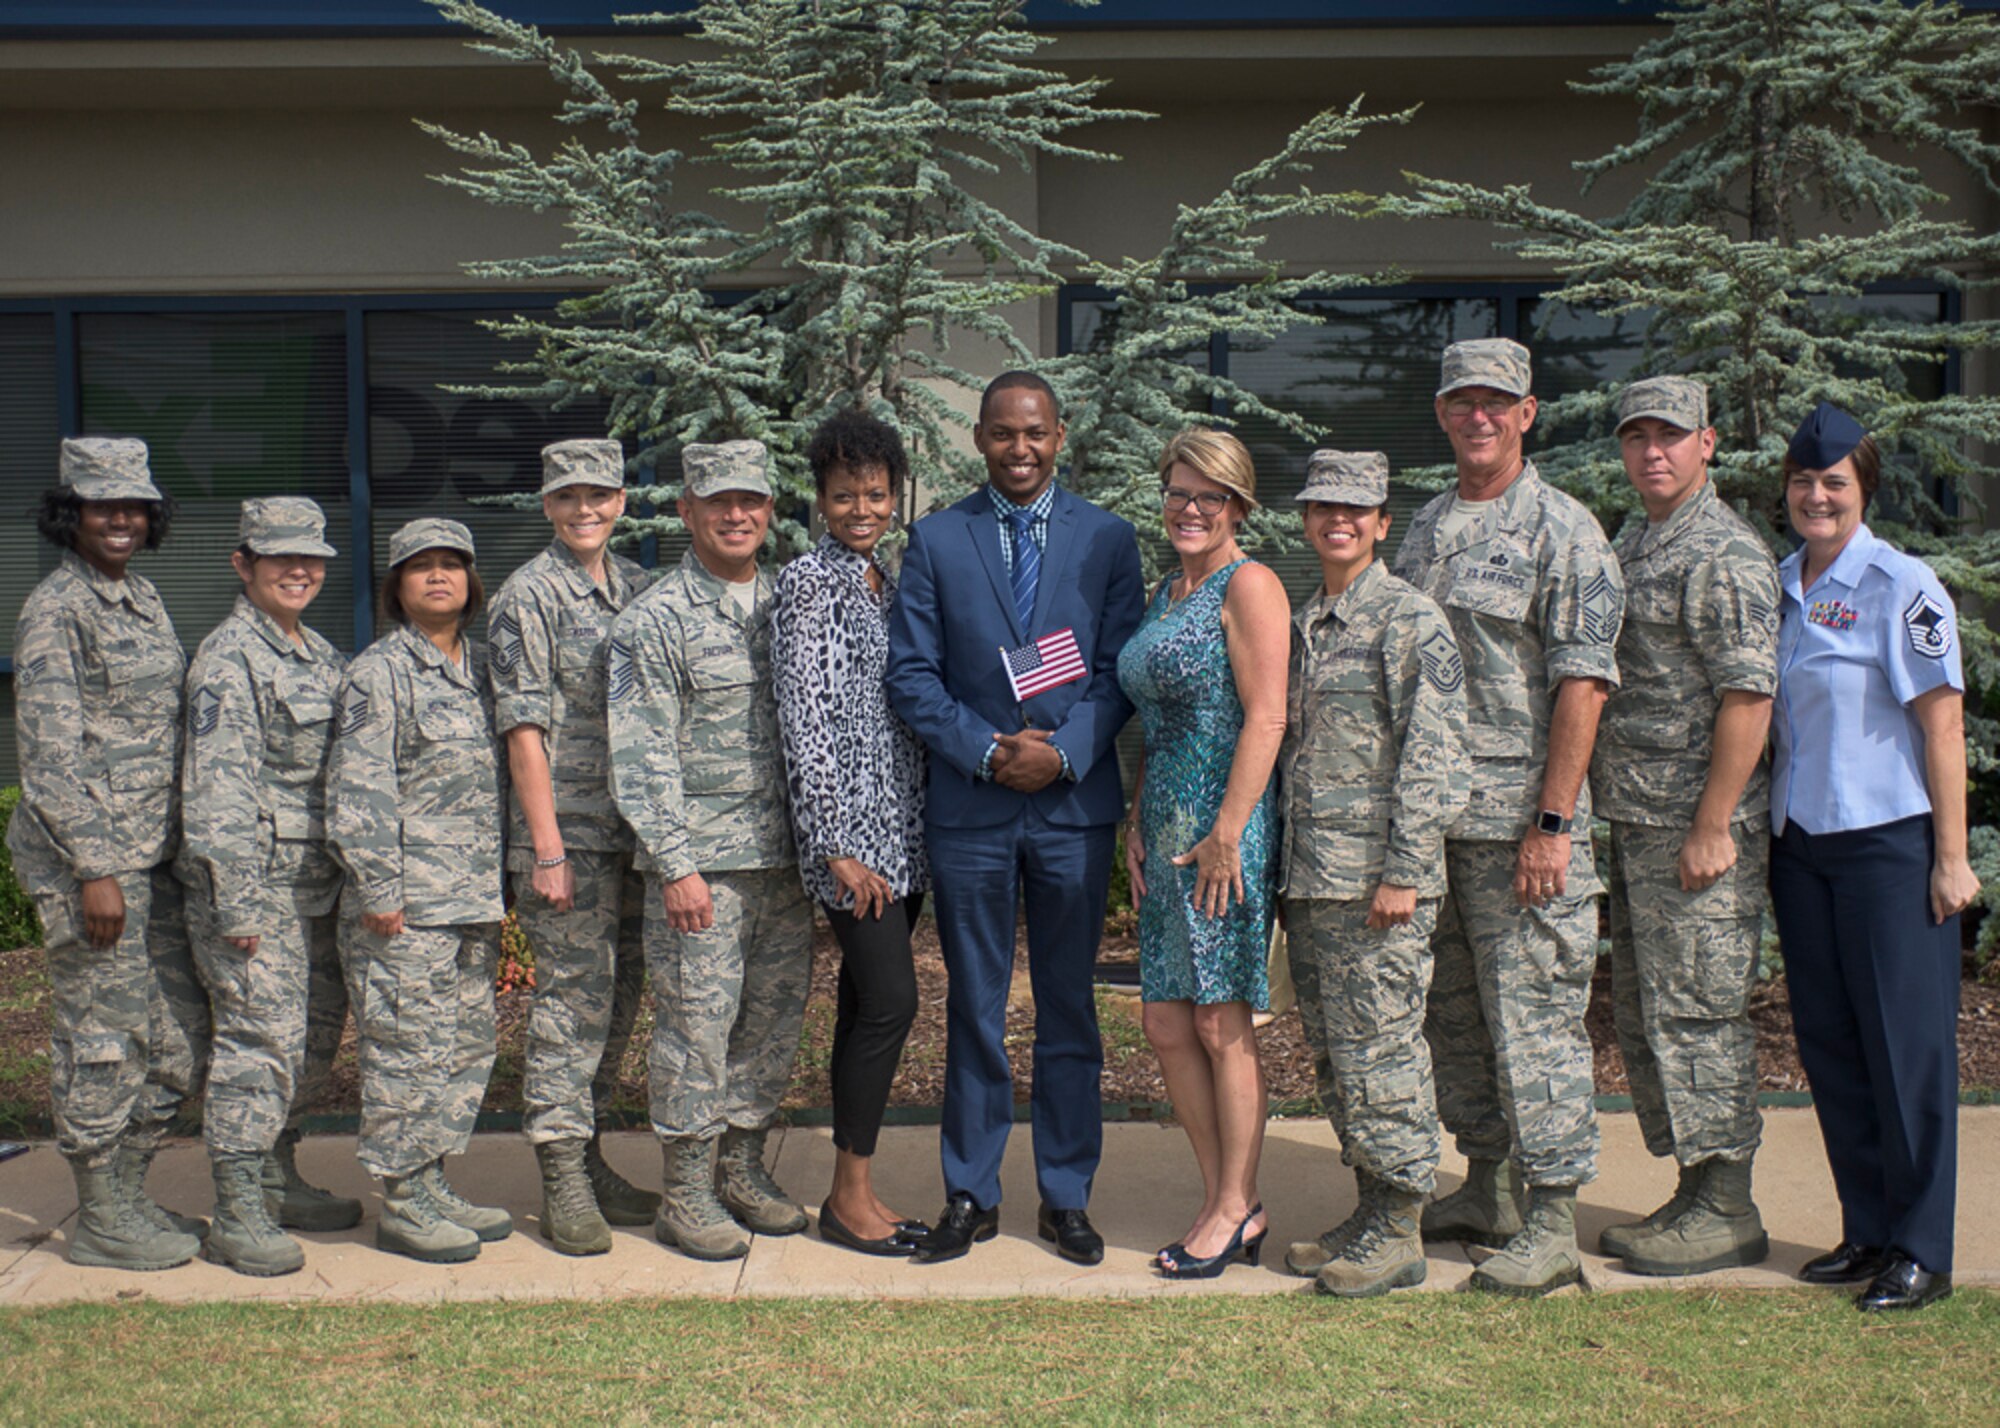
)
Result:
{"points": [[663, 776]]}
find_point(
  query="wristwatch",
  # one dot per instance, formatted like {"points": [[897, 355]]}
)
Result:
{"points": [[1551, 822]]}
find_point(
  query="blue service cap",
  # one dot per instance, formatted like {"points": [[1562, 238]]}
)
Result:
{"points": [[1824, 438]]}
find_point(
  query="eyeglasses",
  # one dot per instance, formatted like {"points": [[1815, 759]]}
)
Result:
{"points": [[1459, 408], [1209, 503]]}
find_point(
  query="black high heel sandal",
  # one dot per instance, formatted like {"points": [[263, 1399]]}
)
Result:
{"points": [[1173, 1266]]}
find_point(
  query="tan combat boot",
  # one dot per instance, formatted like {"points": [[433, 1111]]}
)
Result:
{"points": [[1616, 1240], [1386, 1253], [489, 1222], [747, 1190], [571, 1220], [1543, 1257], [295, 1202], [618, 1199], [111, 1233], [1720, 1230], [131, 1165], [1307, 1257], [1486, 1209], [412, 1225], [691, 1219], [243, 1236]]}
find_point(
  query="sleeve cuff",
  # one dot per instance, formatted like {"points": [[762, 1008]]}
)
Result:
{"points": [[1583, 662], [511, 711], [383, 897], [1068, 773], [1404, 870], [1750, 678]]}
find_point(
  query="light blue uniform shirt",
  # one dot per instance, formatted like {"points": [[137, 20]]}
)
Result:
{"points": [[1873, 633]]}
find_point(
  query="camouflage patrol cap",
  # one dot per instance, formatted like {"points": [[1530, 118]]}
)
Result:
{"points": [[1497, 362], [106, 468], [430, 533], [1677, 401], [283, 525], [726, 466], [587, 461], [1346, 478]]}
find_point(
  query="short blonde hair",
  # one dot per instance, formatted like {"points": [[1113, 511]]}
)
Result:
{"points": [[1217, 455]]}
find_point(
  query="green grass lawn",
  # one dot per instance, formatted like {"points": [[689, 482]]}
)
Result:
{"points": [[1784, 1356]]}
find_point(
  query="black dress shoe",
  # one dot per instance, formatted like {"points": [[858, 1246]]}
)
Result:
{"points": [[962, 1225], [1845, 1263], [835, 1233], [1903, 1284], [1071, 1233]]}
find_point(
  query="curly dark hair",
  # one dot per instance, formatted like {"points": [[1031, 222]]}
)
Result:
{"points": [[854, 440], [56, 518]]}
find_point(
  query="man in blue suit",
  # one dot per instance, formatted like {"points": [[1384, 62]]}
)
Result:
{"points": [[1024, 800]]}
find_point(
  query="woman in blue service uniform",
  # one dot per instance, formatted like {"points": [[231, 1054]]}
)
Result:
{"points": [[1868, 866]]}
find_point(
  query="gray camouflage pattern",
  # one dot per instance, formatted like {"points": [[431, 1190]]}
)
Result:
{"points": [[1677, 401], [1361, 994], [1505, 1017], [1534, 597], [1374, 759], [283, 525], [1346, 478], [128, 1025], [255, 862], [423, 1007], [585, 461], [590, 969], [728, 1003], [547, 635], [1682, 966], [106, 468], [697, 767], [1497, 362], [429, 533], [415, 789], [97, 716], [1701, 617], [710, 469]]}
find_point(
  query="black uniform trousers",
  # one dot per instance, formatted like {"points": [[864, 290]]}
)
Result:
{"points": [[1873, 981]]}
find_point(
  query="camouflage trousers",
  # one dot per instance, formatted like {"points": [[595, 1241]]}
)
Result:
{"points": [[423, 1008], [590, 971], [1682, 965], [278, 1012], [728, 1003], [1505, 1018], [1361, 993], [128, 1032]]}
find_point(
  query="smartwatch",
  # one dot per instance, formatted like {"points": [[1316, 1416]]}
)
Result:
{"points": [[1551, 822]]}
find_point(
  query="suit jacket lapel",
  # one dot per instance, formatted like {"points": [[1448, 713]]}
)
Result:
{"points": [[984, 527], [1055, 554]]}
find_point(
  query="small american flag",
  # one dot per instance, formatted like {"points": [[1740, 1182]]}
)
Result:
{"points": [[1052, 660]]}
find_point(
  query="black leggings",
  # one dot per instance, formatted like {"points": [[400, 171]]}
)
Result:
{"points": [[878, 1001]]}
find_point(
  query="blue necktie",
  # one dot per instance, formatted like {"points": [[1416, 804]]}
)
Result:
{"points": [[1027, 567]]}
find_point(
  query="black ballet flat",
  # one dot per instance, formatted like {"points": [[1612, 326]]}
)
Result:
{"points": [[891, 1246]]}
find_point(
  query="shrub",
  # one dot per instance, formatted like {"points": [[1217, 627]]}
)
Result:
{"points": [[19, 924]]}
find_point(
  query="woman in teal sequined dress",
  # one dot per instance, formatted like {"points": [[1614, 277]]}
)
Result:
{"points": [[1206, 670]]}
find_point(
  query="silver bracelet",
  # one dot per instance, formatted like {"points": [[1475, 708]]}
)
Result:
{"points": [[556, 862]]}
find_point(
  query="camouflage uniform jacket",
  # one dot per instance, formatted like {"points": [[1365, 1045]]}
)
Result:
{"points": [[1534, 597], [415, 793], [696, 763], [253, 789], [546, 635], [97, 715], [1701, 616], [1374, 757]]}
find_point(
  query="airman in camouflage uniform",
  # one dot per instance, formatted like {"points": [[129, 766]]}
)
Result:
{"points": [[698, 772], [415, 813], [1681, 775], [1375, 768], [1535, 599], [547, 633], [97, 716], [262, 886]]}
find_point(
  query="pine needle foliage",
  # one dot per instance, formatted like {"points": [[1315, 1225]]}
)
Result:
{"points": [[1778, 140], [850, 137]]}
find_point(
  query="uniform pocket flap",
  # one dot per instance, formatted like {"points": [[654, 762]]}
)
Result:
{"points": [[308, 706], [132, 775], [101, 1048], [451, 719], [142, 666], [297, 825], [1391, 1088], [442, 831]]}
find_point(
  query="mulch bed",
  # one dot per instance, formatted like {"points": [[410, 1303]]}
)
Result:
{"points": [[1131, 1074]]}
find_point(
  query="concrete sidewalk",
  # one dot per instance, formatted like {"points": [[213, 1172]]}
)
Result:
{"points": [[1145, 1194]]}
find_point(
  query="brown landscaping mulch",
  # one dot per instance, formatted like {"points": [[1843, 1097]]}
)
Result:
{"points": [[1131, 1074]]}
